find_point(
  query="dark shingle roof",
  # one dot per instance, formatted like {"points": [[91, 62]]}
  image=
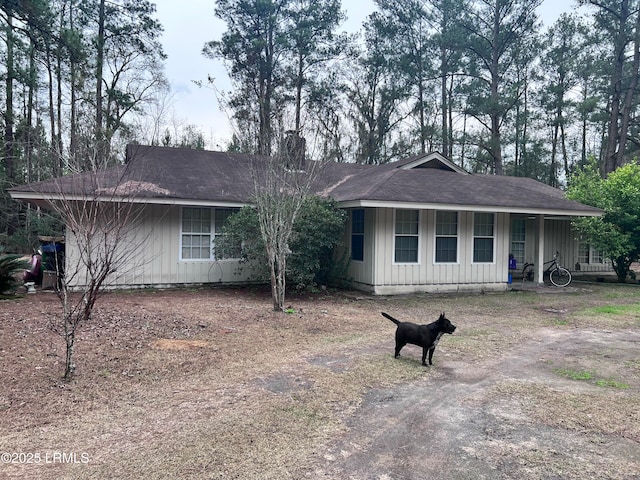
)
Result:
{"points": [[173, 174]]}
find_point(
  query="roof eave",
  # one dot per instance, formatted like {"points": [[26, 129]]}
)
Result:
{"points": [[43, 199], [471, 208]]}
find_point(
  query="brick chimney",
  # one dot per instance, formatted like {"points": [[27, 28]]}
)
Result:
{"points": [[293, 150]]}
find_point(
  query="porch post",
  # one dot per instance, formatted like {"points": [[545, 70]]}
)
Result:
{"points": [[540, 260]]}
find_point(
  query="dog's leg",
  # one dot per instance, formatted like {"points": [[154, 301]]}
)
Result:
{"points": [[399, 346], [431, 350], [424, 356], [433, 347]]}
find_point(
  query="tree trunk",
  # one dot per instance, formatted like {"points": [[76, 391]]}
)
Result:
{"points": [[613, 139], [565, 154], [444, 97], [52, 117], [73, 123], [9, 139], [28, 148], [449, 153], [495, 147], [627, 108], [70, 337], [423, 130], [99, 127], [299, 84], [554, 149]]}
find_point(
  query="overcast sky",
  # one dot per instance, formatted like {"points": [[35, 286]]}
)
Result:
{"points": [[189, 24]]}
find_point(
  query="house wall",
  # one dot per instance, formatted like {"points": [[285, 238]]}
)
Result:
{"points": [[559, 236], [153, 240], [361, 273], [388, 277]]}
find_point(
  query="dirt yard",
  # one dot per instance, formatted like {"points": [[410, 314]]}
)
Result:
{"points": [[208, 383]]}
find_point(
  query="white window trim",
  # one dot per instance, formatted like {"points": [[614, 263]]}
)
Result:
{"points": [[212, 235], [519, 242], [364, 221], [181, 234], [593, 254], [435, 238], [393, 249], [493, 237]]}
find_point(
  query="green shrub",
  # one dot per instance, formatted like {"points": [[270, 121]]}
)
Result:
{"points": [[316, 232], [11, 267]]}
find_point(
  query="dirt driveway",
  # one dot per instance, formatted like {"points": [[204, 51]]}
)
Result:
{"points": [[212, 384], [504, 417]]}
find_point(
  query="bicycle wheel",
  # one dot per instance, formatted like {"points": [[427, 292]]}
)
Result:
{"points": [[560, 277], [527, 272]]}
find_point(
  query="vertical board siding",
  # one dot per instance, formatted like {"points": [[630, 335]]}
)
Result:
{"points": [[428, 275], [157, 260], [560, 237], [361, 273]]}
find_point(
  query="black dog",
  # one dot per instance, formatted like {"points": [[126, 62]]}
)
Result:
{"points": [[425, 336]]}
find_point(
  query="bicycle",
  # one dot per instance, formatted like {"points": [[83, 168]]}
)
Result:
{"points": [[559, 276]]}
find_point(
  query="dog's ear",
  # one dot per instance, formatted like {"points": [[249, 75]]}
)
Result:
{"points": [[442, 315]]}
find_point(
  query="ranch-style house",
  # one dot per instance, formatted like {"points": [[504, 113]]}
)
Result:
{"points": [[418, 225]]}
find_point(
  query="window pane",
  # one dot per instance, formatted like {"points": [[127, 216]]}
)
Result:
{"points": [[196, 220], [357, 221], [483, 225], [517, 250], [583, 252], [483, 250], [357, 247], [221, 217], [447, 223], [597, 256], [518, 235], [196, 229], [406, 249], [357, 234], [406, 222], [518, 230], [196, 247], [446, 249]]}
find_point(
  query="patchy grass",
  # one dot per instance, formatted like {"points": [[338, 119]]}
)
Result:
{"points": [[212, 383], [603, 413], [590, 376], [633, 309], [611, 383], [573, 375]]}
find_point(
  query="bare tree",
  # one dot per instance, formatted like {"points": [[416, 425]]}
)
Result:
{"points": [[99, 213], [281, 183]]}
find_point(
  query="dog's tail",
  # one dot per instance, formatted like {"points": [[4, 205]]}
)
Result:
{"points": [[386, 315]]}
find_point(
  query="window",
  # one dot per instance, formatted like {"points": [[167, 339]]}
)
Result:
{"points": [[483, 237], [196, 233], [518, 236], [587, 254], [199, 227], [446, 237], [406, 236], [583, 252], [220, 218], [357, 235], [597, 256]]}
